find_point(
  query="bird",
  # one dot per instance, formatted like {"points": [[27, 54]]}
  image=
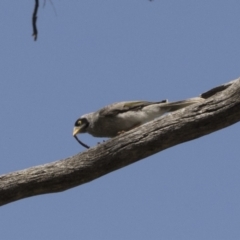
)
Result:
{"points": [[120, 117]]}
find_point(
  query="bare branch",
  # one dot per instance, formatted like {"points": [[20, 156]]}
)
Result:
{"points": [[221, 109]]}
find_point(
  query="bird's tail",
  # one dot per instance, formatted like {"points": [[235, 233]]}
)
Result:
{"points": [[173, 106]]}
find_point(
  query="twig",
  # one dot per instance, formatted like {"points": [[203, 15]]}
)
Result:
{"points": [[34, 20]]}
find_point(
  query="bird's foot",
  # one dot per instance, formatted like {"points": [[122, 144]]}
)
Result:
{"points": [[101, 142], [121, 132]]}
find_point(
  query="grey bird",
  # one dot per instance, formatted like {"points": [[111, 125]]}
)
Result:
{"points": [[120, 117]]}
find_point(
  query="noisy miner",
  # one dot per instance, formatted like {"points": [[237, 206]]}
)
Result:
{"points": [[120, 117]]}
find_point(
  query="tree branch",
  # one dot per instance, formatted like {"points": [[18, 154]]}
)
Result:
{"points": [[221, 109]]}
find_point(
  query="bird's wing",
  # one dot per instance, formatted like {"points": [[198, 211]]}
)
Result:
{"points": [[173, 106], [121, 107]]}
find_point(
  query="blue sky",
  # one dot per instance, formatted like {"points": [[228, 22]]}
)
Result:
{"points": [[93, 53]]}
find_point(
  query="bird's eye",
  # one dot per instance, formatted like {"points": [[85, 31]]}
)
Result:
{"points": [[78, 123], [81, 122]]}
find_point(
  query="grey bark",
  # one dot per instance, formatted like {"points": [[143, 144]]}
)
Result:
{"points": [[220, 109]]}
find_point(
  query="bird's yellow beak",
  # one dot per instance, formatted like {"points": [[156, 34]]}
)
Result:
{"points": [[76, 130]]}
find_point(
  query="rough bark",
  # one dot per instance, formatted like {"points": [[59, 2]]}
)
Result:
{"points": [[220, 109]]}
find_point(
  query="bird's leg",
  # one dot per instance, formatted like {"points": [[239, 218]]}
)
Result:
{"points": [[121, 132]]}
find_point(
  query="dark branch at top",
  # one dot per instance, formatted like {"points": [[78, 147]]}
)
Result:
{"points": [[34, 20]]}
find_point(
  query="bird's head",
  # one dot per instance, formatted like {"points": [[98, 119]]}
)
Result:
{"points": [[80, 126]]}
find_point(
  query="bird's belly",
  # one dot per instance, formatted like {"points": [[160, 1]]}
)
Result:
{"points": [[111, 127]]}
